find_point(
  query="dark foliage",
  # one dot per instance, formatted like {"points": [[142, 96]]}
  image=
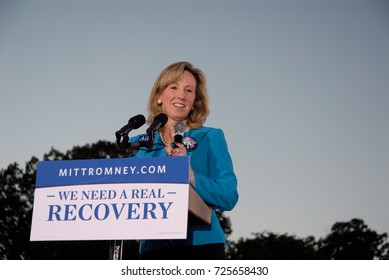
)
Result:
{"points": [[353, 241], [16, 192], [270, 246]]}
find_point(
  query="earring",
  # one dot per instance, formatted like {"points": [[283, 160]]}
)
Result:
{"points": [[159, 102]]}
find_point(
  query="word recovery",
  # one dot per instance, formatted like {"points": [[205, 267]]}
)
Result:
{"points": [[86, 205]]}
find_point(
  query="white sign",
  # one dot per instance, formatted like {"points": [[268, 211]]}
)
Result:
{"points": [[110, 211]]}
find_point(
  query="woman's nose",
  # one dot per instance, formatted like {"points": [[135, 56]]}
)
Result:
{"points": [[181, 94]]}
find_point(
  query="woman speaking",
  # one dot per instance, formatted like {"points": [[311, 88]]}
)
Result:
{"points": [[180, 92]]}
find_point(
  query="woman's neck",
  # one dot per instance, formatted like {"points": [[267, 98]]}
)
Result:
{"points": [[167, 132]]}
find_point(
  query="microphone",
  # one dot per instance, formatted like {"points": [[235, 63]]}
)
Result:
{"points": [[133, 123], [159, 121], [179, 129]]}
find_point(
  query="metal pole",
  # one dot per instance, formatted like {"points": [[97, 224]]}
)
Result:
{"points": [[116, 250]]}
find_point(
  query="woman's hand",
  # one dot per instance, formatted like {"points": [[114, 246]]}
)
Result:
{"points": [[180, 150]]}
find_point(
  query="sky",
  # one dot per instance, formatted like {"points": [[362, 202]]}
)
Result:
{"points": [[300, 89]]}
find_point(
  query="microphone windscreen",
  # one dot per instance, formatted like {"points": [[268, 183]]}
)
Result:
{"points": [[162, 118], [179, 128], [137, 121]]}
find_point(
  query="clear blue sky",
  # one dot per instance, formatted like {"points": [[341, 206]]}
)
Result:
{"points": [[300, 88]]}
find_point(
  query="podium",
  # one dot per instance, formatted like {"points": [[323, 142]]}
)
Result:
{"points": [[115, 199], [199, 211]]}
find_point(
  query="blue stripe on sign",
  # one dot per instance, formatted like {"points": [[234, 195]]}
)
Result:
{"points": [[118, 170]]}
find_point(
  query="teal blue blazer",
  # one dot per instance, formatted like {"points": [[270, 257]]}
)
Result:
{"points": [[215, 179]]}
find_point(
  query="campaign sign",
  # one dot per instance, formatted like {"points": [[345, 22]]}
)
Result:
{"points": [[111, 199]]}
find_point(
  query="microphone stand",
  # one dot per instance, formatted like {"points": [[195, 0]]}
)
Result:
{"points": [[116, 250], [116, 246], [127, 149]]}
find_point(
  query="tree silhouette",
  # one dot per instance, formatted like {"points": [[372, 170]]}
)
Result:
{"points": [[16, 191], [354, 241], [271, 246], [351, 240]]}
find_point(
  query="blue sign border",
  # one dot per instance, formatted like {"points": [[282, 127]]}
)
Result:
{"points": [[117, 170]]}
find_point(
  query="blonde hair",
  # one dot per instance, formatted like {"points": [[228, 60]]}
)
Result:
{"points": [[171, 74]]}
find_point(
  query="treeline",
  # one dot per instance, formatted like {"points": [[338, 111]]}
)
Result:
{"points": [[347, 240]]}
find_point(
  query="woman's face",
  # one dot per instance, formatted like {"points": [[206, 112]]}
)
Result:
{"points": [[178, 98]]}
